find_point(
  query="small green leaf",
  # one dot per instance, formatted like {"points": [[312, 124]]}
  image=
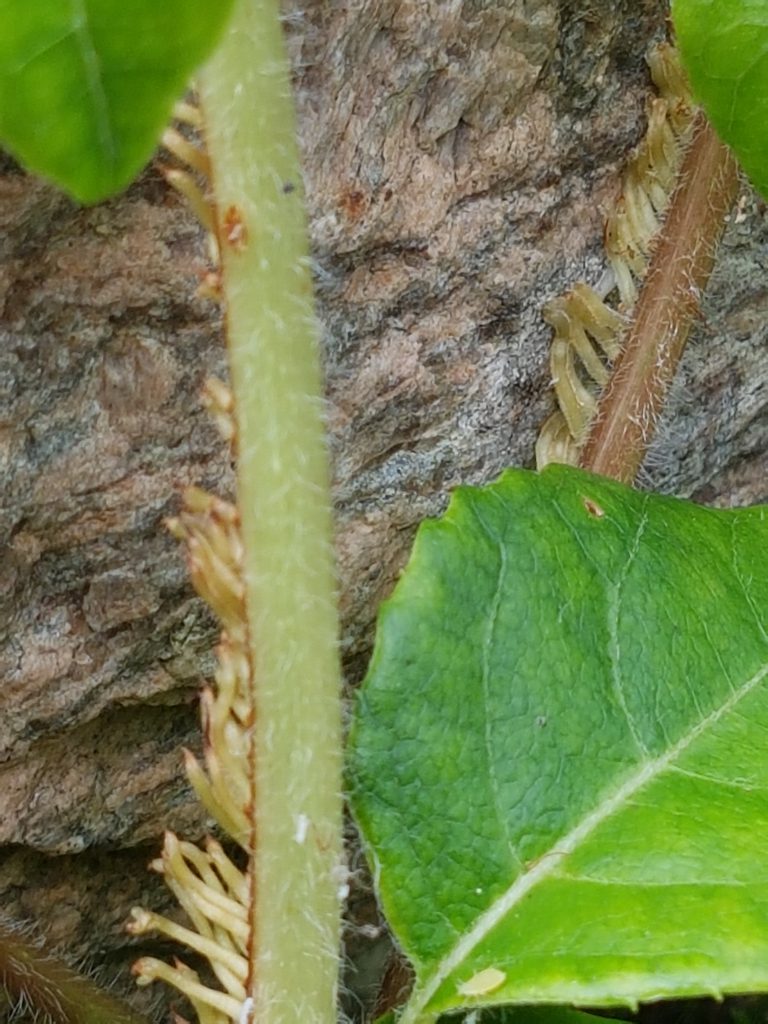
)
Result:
{"points": [[559, 758], [87, 85], [724, 44]]}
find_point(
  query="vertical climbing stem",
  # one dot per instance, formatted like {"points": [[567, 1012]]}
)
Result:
{"points": [[283, 496], [680, 266]]}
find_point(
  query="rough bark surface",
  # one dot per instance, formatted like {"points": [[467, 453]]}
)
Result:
{"points": [[459, 158]]}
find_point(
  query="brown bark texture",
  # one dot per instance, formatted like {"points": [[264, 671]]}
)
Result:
{"points": [[460, 156]]}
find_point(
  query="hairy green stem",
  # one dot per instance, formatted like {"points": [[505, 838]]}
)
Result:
{"points": [[284, 501]]}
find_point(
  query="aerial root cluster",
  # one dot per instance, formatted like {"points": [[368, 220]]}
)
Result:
{"points": [[212, 890], [190, 176], [588, 328]]}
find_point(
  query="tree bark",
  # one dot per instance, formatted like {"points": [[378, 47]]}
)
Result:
{"points": [[460, 157]]}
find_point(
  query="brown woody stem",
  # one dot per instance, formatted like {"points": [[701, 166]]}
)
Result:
{"points": [[680, 266]]}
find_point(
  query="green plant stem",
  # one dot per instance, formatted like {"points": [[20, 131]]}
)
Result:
{"points": [[41, 982], [284, 501], [682, 261]]}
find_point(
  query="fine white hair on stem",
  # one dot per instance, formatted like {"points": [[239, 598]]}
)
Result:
{"points": [[590, 322]]}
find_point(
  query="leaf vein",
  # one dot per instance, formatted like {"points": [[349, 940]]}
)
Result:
{"points": [[754, 609], [488, 642], [547, 865], [614, 643], [94, 78]]}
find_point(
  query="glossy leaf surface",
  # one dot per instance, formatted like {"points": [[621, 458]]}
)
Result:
{"points": [[724, 44], [86, 86], [559, 758], [540, 1015], [525, 1015]]}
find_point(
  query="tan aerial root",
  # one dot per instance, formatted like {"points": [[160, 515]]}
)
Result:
{"points": [[192, 181], [212, 890]]}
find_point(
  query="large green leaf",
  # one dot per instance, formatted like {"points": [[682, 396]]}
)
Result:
{"points": [[524, 1015], [559, 759], [86, 85], [540, 1015], [537, 1015], [724, 44]]}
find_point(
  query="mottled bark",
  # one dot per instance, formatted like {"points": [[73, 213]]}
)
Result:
{"points": [[459, 159]]}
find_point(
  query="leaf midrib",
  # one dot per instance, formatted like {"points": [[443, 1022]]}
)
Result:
{"points": [[95, 81], [550, 860]]}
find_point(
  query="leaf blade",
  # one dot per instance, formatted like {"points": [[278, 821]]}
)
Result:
{"points": [[724, 44], [606, 678], [86, 86]]}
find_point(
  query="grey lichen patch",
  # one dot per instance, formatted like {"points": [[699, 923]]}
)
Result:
{"points": [[455, 192], [442, 81]]}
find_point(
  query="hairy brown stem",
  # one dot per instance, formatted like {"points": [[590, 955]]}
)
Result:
{"points": [[678, 272], [42, 983]]}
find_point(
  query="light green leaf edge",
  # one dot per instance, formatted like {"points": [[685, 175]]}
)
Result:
{"points": [[86, 86], [724, 45], [638, 955]]}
